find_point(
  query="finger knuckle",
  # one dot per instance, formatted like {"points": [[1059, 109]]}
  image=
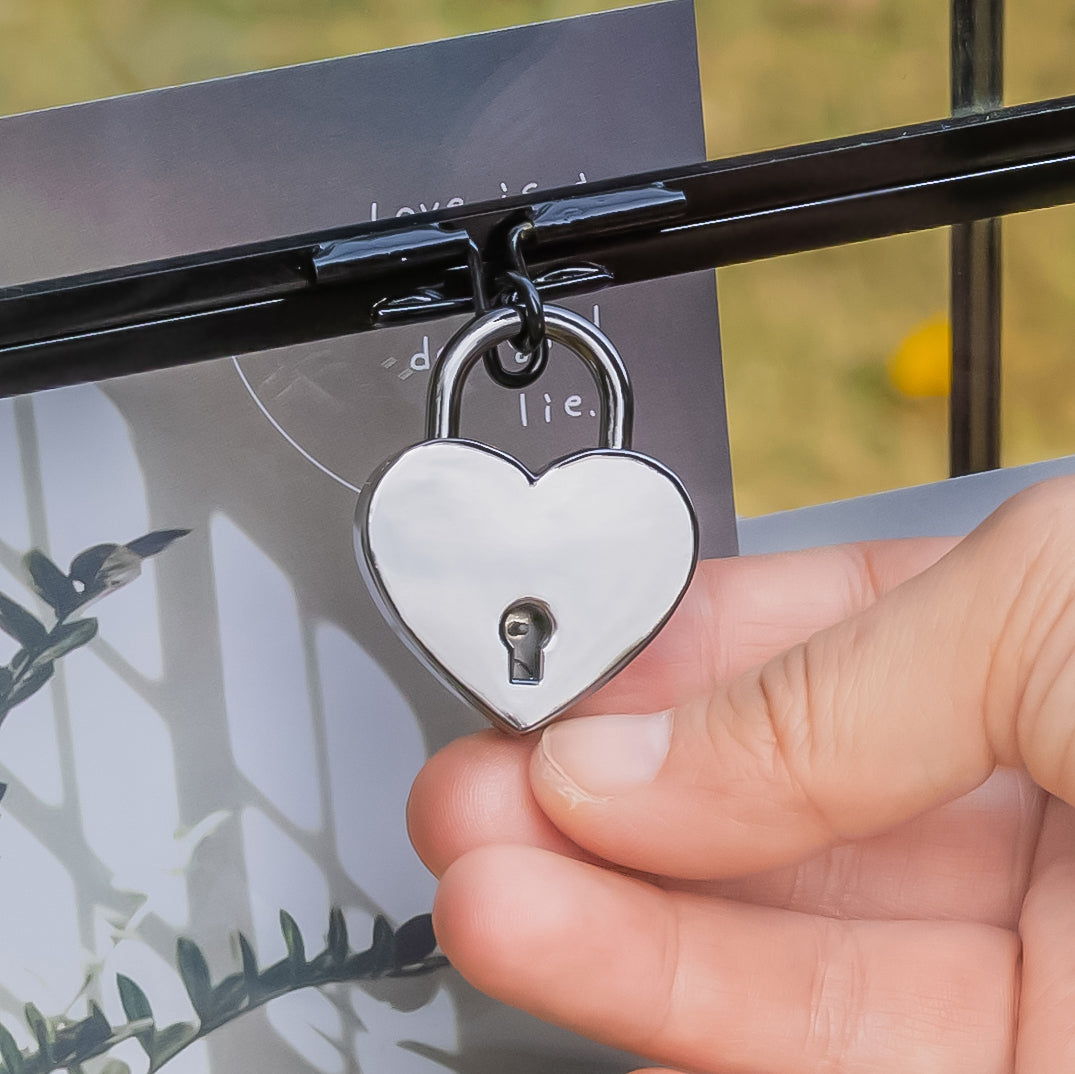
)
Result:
{"points": [[1029, 702], [791, 686]]}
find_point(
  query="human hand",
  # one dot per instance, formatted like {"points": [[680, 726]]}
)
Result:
{"points": [[849, 858]]}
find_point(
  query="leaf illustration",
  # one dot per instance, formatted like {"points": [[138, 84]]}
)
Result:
{"points": [[228, 997], [102, 570], [63, 638], [94, 572], [92, 1030], [383, 948], [20, 662], [250, 962], [415, 940], [337, 935], [9, 1052], [153, 543], [30, 685], [170, 1042], [137, 1007], [275, 979], [21, 625], [135, 1003], [86, 564], [42, 1030], [121, 567], [296, 949], [52, 585], [195, 973]]}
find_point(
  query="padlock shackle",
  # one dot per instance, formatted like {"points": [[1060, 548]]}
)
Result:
{"points": [[563, 326]]}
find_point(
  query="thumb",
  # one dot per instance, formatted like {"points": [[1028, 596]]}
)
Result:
{"points": [[907, 705]]}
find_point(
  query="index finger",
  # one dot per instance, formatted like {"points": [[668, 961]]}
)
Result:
{"points": [[737, 613], [741, 611]]}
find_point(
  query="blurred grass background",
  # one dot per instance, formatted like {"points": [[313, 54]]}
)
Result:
{"points": [[836, 360]]}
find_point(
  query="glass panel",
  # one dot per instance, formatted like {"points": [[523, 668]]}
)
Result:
{"points": [[836, 364], [1037, 62], [779, 72], [1038, 393], [775, 72]]}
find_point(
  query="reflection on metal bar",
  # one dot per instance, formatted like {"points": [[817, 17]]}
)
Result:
{"points": [[977, 46], [616, 231]]}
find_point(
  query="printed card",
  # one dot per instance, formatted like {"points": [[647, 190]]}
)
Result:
{"points": [[209, 732]]}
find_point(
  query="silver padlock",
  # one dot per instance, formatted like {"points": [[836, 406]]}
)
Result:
{"points": [[524, 592]]}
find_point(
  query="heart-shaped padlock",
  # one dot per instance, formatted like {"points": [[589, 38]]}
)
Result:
{"points": [[524, 592]]}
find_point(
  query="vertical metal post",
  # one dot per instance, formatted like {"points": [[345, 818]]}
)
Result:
{"points": [[977, 47]]}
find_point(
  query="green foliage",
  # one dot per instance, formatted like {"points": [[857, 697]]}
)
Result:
{"points": [[65, 1045], [93, 574]]}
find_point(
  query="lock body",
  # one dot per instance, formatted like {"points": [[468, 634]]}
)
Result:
{"points": [[468, 552], [455, 533]]}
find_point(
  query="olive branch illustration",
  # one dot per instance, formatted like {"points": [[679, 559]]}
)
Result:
{"points": [[66, 1044], [93, 574]]}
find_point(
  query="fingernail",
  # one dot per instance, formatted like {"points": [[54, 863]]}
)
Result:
{"points": [[602, 756]]}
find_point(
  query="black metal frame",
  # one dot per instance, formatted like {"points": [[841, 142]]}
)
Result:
{"points": [[977, 79], [984, 162]]}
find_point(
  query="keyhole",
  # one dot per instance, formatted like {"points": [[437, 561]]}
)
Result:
{"points": [[525, 629]]}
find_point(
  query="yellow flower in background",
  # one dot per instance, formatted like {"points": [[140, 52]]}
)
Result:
{"points": [[921, 366]]}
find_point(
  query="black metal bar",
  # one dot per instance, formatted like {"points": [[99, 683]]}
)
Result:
{"points": [[348, 259], [715, 213], [977, 45], [977, 48]]}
